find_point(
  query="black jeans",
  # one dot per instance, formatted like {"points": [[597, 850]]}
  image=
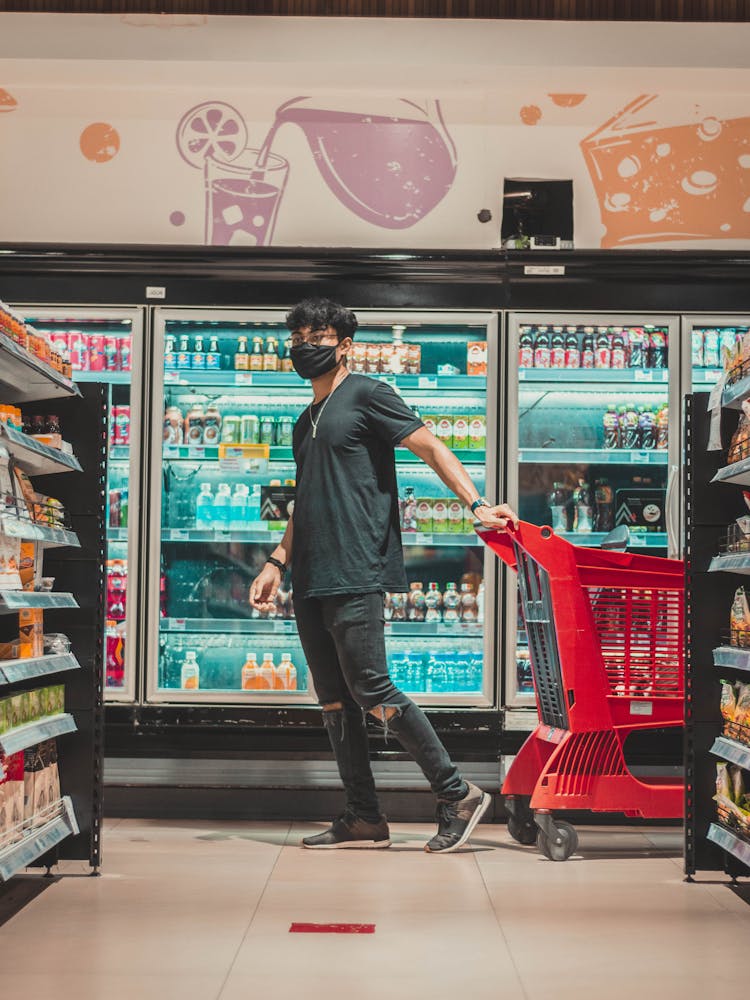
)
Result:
{"points": [[344, 643]]}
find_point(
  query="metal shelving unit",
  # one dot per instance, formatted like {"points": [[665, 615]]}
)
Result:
{"points": [[35, 841], [15, 671], [592, 456], [23, 737], [29, 379], [35, 458], [15, 600]]}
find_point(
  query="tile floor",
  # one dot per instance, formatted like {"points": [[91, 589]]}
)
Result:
{"points": [[201, 911]]}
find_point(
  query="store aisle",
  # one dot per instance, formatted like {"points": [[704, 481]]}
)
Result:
{"points": [[201, 911]]}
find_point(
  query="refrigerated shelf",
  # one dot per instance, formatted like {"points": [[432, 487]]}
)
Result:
{"points": [[707, 376], [112, 378], [286, 626], [210, 453], [730, 841], [36, 843], [731, 562], [592, 456], [738, 473], [733, 657], [28, 531], [15, 600], [284, 380], [732, 751], [119, 453], [117, 534], [35, 458], [13, 671], [593, 539], [598, 376], [25, 379], [32, 733], [260, 534]]}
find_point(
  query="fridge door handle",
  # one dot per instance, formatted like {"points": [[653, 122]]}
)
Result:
{"points": [[672, 513]]}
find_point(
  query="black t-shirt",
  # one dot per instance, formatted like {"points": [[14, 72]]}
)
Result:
{"points": [[347, 538]]}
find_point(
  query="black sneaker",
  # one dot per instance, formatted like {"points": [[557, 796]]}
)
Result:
{"points": [[456, 821], [349, 831]]}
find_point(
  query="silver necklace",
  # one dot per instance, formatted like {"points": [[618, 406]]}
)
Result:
{"points": [[315, 422]]}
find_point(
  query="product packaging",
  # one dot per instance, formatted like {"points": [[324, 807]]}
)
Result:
{"points": [[31, 632]]}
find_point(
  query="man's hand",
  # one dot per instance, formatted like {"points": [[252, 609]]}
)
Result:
{"points": [[496, 517], [264, 588]]}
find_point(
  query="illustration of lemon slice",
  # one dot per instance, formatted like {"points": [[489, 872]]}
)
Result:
{"points": [[213, 129], [7, 101]]}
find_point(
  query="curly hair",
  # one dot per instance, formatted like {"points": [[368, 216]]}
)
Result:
{"points": [[321, 313]]}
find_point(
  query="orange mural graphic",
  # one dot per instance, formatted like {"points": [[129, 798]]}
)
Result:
{"points": [[567, 100], [530, 114], [660, 180], [7, 101], [100, 142]]}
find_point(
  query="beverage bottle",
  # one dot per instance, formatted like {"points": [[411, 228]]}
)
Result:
{"points": [[433, 603], [611, 427], [557, 352], [286, 357], [271, 355], [267, 673], [409, 517], [204, 508], [190, 672], [603, 356], [436, 674], [468, 603], [285, 431], [572, 350], [526, 348], [253, 505], [631, 428], [267, 431], [416, 603], [257, 355], [583, 512], [241, 357], [286, 674], [198, 357], [542, 350], [124, 507], [222, 507], [619, 353], [451, 604], [622, 417], [636, 347], [183, 352], [588, 352], [194, 425], [480, 604], [657, 349], [238, 507], [398, 607], [170, 354], [213, 355], [250, 673], [558, 505], [604, 517], [212, 425], [111, 354], [662, 427], [647, 431]]}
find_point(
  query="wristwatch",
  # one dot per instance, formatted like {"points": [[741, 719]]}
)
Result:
{"points": [[480, 502]]}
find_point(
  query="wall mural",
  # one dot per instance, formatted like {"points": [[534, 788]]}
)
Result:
{"points": [[658, 179], [390, 166], [7, 101]]}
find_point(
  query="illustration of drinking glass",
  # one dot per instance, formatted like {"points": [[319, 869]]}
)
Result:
{"points": [[243, 197]]}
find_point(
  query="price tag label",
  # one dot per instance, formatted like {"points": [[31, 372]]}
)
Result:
{"points": [[421, 539], [640, 456], [636, 539], [427, 383], [229, 464], [171, 451], [641, 708], [178, 624], [171, 376], [197, 451], [287, 627], [178, 535], [243, 378], [522, 375], [644, 376]]}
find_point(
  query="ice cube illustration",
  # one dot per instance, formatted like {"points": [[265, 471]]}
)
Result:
{"points": [[240, 237], [232, 214]]}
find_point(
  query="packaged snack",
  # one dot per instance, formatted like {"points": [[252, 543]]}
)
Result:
{"points": [[739, 618], [728, 701], [723, 781], [26, 566], [31, 631], [10, 558], [738, 784], [742, 709], [26, 493]]}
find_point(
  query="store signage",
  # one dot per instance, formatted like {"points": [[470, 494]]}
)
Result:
{"points": [[545, 270], [156, 292]]}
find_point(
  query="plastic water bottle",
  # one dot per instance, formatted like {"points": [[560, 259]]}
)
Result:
{"points": [[238, 507], [222, 507], [253, 505], [437, 674], [204, 506], [476, 672], [190, 672], [267, 673]]}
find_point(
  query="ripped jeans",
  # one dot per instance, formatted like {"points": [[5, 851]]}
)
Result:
{"points": [[344, 643]]}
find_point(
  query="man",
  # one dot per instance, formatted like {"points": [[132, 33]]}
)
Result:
{"points": [[344, 546]]}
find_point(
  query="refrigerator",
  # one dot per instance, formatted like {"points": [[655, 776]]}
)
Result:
{"points": [[106, 345], [593, 439], [707, 337], [224, 401]]}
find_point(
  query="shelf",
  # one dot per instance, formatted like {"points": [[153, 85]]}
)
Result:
{"points": [[259, 535], [442, 630], [731, 562], [13, 671], [36, 732], [597, 376], [732, 751], [288, 626], [592, 456], [119, 453], [730, 842], [734, 395], [25, 379], [649, 539], [28, 531], [15, 600], [707, 376], [210, 453], [35, 458], [732, 657], [737, 474], [286, 380], [117, 534], [111, 378], [36, 843]]}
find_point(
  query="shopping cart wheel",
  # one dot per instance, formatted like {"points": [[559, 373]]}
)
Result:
{"points": [[523, 831], [562, 845]]}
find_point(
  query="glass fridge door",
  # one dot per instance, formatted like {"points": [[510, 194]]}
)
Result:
{"points": [[593, 439], [225, 402], [708, 339], [106, 345]]}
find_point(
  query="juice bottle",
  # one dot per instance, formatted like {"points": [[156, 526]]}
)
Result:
{"points": [[647, 428], [416, 605], [170, 354], [558, 505], [451, 604], [271, 355], [409, 510], [204, 508], [212, 425], [604, 500], [611, 427], [198, 357], [398, 607], [433, 600], [286, 674], [190, 672], [662, 427], [583, 511], [542, 351], [267, 673], [631, 432], [241, 357], [257, 355], [250, 673], [619, 353], [468, 612], [286, 357], [213, 355], [557, 354], [572, 350], [588, 354], [526, 348], [194, 425], [636, 347], [183, 352], [603, 355]]}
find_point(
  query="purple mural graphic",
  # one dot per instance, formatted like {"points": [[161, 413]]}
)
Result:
{"points": [[390, 167]]}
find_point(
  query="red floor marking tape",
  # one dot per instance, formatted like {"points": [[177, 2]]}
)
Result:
{"points": [[332, 929]]}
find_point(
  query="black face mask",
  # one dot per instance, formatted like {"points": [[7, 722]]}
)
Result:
{"points": [[312, 362]]}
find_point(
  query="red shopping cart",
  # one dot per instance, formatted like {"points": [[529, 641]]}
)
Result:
{"points": [[605, 632]]}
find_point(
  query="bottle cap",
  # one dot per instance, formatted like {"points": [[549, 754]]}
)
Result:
{"points": [[416, 586], [286, 657], [268, 656]]}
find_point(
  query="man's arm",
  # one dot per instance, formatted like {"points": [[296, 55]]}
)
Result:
{"points": [[265, 586], [426, 446], [283, 551]]}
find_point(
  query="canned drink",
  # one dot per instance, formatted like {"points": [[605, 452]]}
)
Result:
{"points": [[460, 431], [121, 416], [230, 429], [249, 429], [96, 352], [478, 432], [267, 429], [358, 358], [455, 517], [372, 359], [430, 423], [440, 515], [444, 430], [112, 354], [125, 352], [79, 350], [285, 431]]}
